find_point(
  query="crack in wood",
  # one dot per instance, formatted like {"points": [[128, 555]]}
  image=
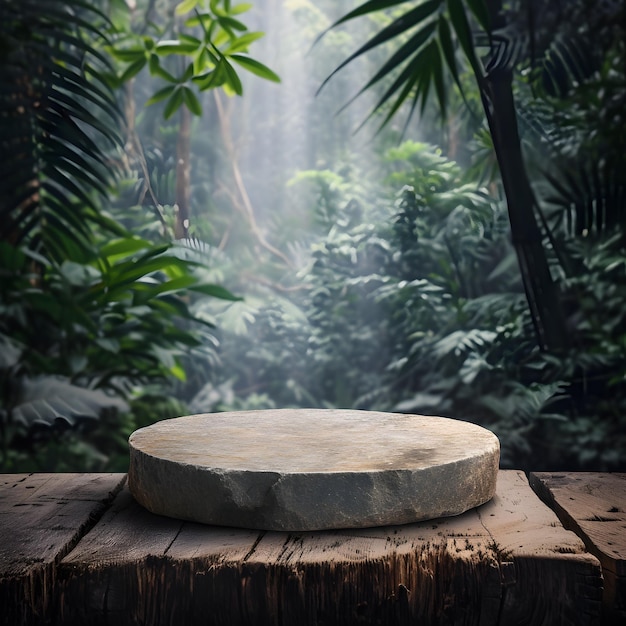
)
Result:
{"points": [[254, 546], [171, 543]]}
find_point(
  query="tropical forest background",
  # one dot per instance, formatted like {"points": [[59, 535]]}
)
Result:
{"points": [[408, 206]]}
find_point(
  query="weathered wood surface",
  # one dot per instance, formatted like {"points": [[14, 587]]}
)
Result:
{"points": [[507, 562], [42, 517], [594, 506]]}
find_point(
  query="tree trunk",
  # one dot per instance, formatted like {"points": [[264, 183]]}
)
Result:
{"points": [[541, 291], [183, 175]]}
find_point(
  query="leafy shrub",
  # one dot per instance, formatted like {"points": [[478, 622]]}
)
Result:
{"points": [[417, 306]]}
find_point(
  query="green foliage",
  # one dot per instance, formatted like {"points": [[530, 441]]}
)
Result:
{"points": [[431, 31], [397, 290], [91, 445], [89, 313], [426, 39], [417, 305], [209, 42], [87, 328], [59, 119]]}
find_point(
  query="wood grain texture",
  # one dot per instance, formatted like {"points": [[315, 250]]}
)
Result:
{"points": [[594, 506], [42, 517], [507, 562], [541, 560]]}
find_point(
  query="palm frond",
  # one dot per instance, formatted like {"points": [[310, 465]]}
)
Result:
{"points": [[428, 37], [589, 196], [556, 52], [58, 119]]}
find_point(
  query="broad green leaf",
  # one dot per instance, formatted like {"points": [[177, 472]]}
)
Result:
{"points": [[156, 69], [232, 79], [156, 250], [45, 302], [190, 41], [147, 292], [187, 74], [180, 283], [204, 20], [108, 223], [256, 67], [241, 43], [222, 37], [210, 80], [132, 70], [176, 46], [230, 23], [238, 9], [186, 6], [162, 94], [171, 305], [174, 103], [120, 248], [191, 100], [202, 62], [126, 273], [215, 291], [120, 15], [178, 372], [129, 55]]}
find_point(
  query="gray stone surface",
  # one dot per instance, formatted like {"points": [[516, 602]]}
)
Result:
{"points": [[312, 469]]}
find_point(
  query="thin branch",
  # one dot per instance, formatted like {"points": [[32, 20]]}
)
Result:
{"points": [[246, 204], [137, 151]]}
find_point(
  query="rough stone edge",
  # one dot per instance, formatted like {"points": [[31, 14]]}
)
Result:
{"points": [[160, 494]]}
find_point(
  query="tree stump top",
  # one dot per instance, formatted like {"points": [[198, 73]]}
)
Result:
{"points": [[78, 549]]}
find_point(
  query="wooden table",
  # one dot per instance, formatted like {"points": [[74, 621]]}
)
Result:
{"points": [[77, 549]]}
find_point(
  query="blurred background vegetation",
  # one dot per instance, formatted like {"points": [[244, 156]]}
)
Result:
{"points": [[181, 233]]}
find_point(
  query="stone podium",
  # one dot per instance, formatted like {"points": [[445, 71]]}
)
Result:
{"points": [[312, 469]]}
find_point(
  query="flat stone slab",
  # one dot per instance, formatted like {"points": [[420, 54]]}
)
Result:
{"points": [[312, 469]]}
